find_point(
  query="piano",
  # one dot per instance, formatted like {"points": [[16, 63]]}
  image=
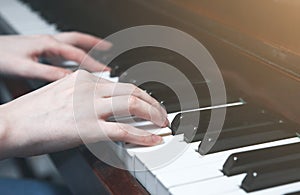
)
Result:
{"points": [[256, 47]]}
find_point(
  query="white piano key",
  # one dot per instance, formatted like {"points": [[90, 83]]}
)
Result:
{"points": [[47, 30], [278, 190], [219, 157], [191, 174], [106, 75], [229, 185], [160, 188], [216, 186], [139, 171], [288, 188]]}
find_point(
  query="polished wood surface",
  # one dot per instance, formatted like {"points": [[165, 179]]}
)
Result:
{"points": [[274, 22], [85, 174], [267, 29], [262, 72]]}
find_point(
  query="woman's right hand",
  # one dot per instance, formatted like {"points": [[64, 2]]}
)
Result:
{"points": [[43, 121]]}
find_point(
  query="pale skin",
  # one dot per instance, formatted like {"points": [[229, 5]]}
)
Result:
{"points": [[43, 121]]}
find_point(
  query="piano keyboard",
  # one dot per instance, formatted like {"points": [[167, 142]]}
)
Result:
{"points": [[237, 170], [25, 22]]}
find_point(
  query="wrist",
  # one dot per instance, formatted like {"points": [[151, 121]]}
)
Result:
{"points": [[3, 124], [3, 133]]}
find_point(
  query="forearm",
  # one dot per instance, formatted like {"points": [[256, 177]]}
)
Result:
{"points": [[25, 134], [15, 140]]}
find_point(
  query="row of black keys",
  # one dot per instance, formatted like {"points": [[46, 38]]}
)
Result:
{"points": [[266, 168], [247, 125], [244, 125], [121, 68]]}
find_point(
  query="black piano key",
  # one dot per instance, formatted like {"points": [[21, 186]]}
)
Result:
{"points": [[118, 67], [163, 94], [133, 57], [168, 98], [231, 140], [237, 118], [272, 175], [78, 15], [293, 193], [242, 162]]}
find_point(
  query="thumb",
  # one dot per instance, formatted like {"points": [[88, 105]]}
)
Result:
{"points": [[127, 133]]}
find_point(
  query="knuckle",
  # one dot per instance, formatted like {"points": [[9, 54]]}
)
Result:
{"points": [[80, 52], [75, 74], [73, 33], [133, 102], [80, 72], [48, 39], [122, 133], [76, 53], [136, 90], [85, 77], [144, 139]]}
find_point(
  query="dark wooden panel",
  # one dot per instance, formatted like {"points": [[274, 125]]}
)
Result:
{"points": [[85, 174]]}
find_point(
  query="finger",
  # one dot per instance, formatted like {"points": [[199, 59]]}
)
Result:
{"points": [[72, 53], [44, 72], [130, 105], [121, 89], [130, 134], [83, 41]]}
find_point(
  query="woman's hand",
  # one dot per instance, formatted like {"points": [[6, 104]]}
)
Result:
{"points": [[19, 54], [44, 121]]}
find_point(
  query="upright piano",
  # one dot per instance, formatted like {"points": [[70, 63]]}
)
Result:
{"points": [[256, 46]]}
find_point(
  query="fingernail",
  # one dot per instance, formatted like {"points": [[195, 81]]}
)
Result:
{"points": [[156, 139], [167, 123], [107, 68]]}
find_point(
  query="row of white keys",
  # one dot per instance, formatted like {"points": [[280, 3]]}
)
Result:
{"points": [[24, 20], [278, 190], [172, 143], [230, 186], [190, 167]]}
